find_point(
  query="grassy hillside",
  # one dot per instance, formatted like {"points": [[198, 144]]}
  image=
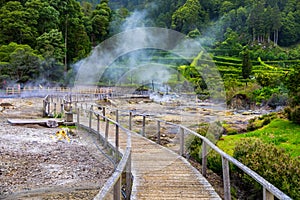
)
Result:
{"points": [[281, 132]]}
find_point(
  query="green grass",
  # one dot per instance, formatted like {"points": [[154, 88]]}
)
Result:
{"points": [[281, 132]]}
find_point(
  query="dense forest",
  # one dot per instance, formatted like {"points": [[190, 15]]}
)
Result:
{"points": [[41, 40]]}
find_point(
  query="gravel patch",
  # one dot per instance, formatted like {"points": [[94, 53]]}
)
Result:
{"points": [[34, 164]]}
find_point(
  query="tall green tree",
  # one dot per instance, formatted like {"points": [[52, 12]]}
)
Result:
{"points": [[15, 24], [289, 32], [256, 22], [276, 23], [51, 45], [24, 64], [100, 20], [189, 17], [246, 65], [77, 43]]}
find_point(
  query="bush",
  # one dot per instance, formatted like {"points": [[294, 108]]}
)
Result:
{"points": [[271, 163], [293, 114], [259, 122]]}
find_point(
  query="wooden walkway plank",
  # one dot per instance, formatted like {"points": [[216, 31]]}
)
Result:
{"points": [[159, 173]]}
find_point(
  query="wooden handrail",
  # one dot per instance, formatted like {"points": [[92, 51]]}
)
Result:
{"points": [[269, 190]]}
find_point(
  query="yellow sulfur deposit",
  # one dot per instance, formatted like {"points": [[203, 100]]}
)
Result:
{"points": [[62, 135]]}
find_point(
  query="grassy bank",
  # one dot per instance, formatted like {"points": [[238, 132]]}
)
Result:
{"points": [[281, 132]]}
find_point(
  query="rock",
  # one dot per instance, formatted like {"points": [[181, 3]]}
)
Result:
{"points": [[52, 123]]}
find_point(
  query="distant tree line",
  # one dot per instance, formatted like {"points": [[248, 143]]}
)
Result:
{"points": [[253, 20], [52, 35]]}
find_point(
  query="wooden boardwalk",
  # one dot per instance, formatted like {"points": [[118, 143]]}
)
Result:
{"points": [[161, 174]]}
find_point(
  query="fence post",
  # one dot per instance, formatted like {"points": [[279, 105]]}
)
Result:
{"points": [[181, 151], [117, 189], [61, 108], [204, 158], [103, 113], [78, 114], [158, 132], [226, 178], [128, 177], [54, 111], [98, 124], [90, 118], [117, 136], [49, 104], [267, 195], [106, 132], [130, 120], [44, 107], [144, 126]]}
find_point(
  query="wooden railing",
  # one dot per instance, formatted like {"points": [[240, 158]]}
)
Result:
{"points": [[269, 190], [122, 160]]}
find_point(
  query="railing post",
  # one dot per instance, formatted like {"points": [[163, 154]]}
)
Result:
{"points": [[130, 121], [98, 124], [44, 107], [128, 177], [117, 189], [78, 115], [48, 107], [181, 151], [90, 118], [117, 136], [158, 132], [61, 108], [226, 178], [103, 113], [204, 158], [267, 195], [144, 126], [106, 132], [54, 111]]}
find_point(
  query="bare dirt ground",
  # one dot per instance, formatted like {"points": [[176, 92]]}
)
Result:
{"points": [[34, 164]]}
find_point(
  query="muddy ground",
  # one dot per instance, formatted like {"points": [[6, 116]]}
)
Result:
{"points": [[35, 164]]}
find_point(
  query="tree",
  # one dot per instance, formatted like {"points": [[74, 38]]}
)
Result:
{"points": [[77, 43], [49, 19], [293, 85], [117, 19], [100, 19], [231, 44], [256, 22], [189, 17], [288, 33], [15, 24], [246, 65], [276, 23], [51, 45], [24, 64]]}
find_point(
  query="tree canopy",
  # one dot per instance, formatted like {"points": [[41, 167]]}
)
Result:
{"points": [[65, 31]]}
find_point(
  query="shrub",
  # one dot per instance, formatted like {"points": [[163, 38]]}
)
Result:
{"points": [[271, 163], [293, 114], [258, 122]]}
